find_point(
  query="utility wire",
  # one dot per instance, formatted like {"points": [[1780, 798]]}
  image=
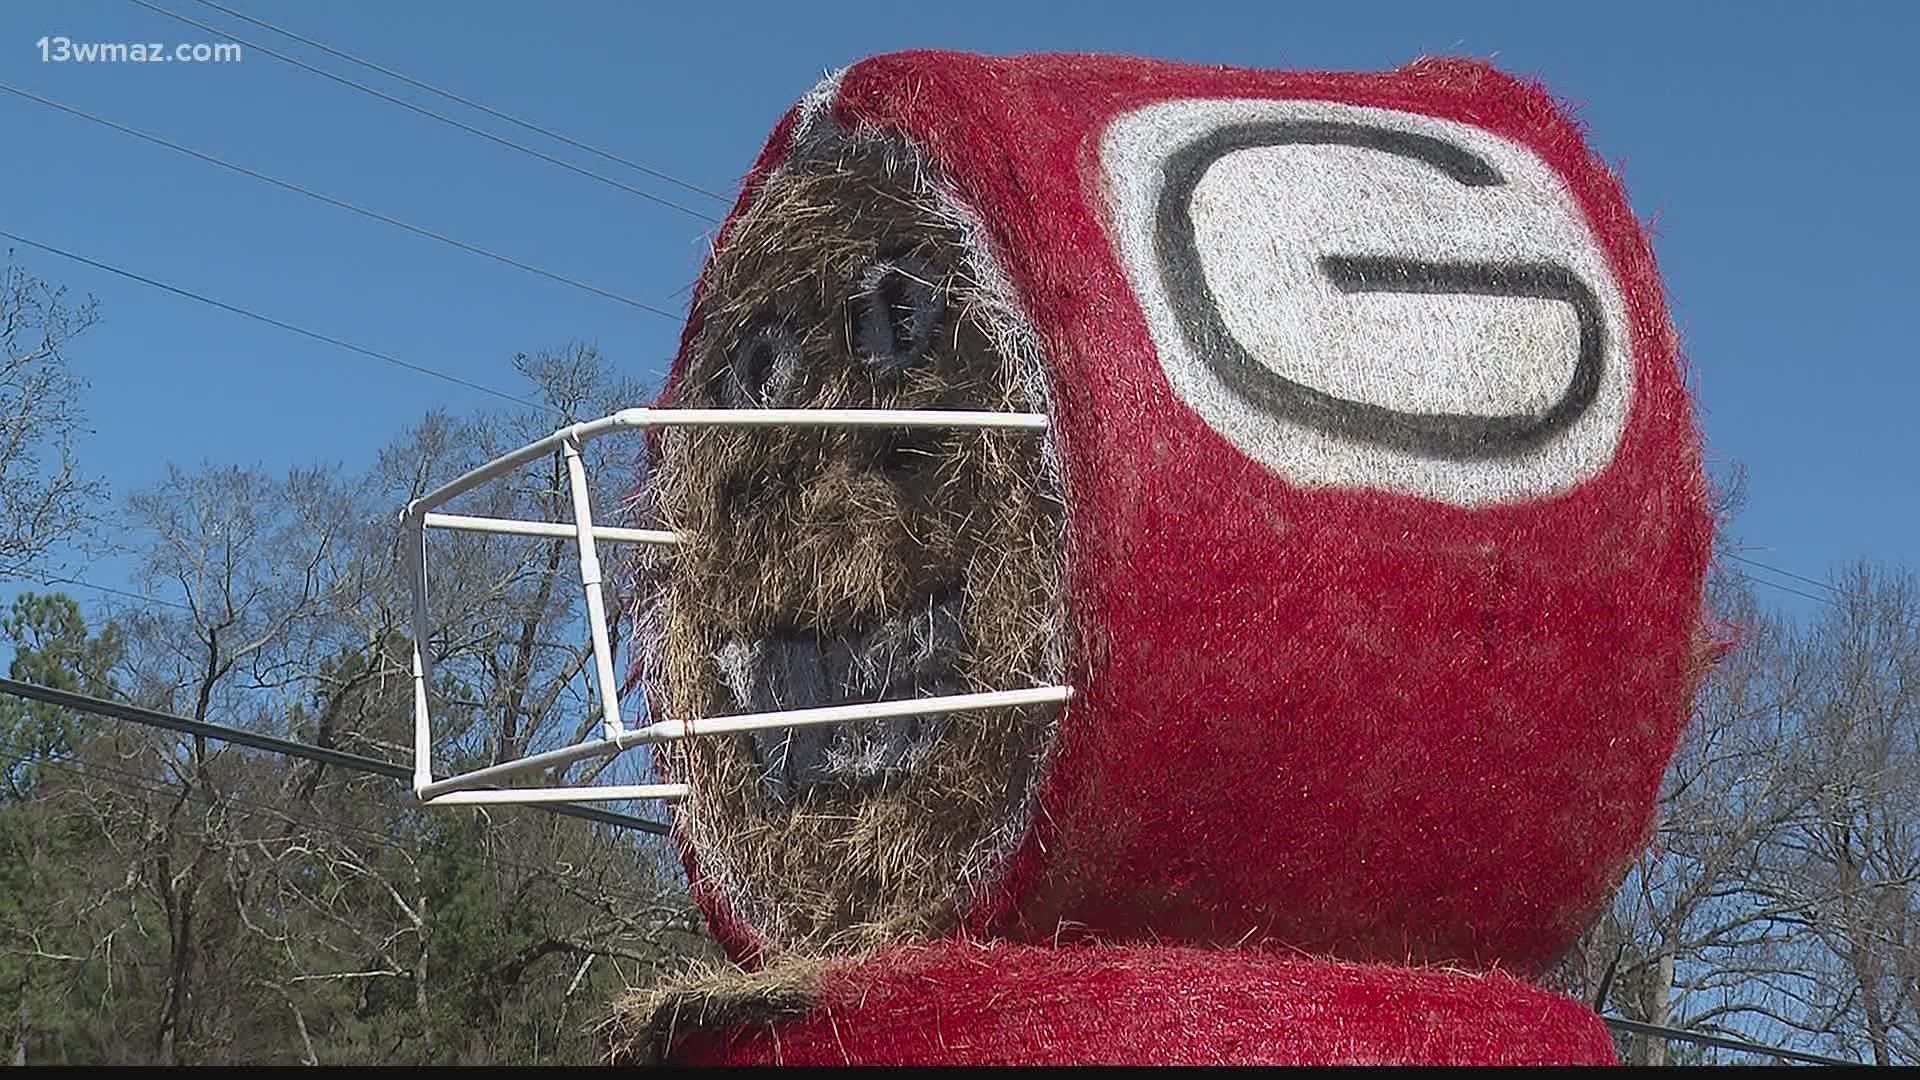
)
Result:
{"points": [[51, 581], [403, 103], [1830, 601], [154, 718], [341, 204], [270, 321], [1783, 588], [132, 781], [1639, 1028], [1784, 573], [274, 744], [469, 103]]}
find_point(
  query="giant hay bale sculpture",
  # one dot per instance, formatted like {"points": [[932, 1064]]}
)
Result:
{"points": [[1369, 528]]}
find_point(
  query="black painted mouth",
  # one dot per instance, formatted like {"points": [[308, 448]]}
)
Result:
{"points": [[913, 655]]}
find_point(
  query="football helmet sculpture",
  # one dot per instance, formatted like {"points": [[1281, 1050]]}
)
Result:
{"points": [[1311, 450]]}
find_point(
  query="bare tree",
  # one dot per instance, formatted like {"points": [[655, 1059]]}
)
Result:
{"points": [[244, 907], [250, 555], [342, 901], [1699, 938], [1848, 867], [1777, 900], [44, 500]]}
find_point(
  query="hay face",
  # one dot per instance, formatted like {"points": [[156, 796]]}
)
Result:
{"points": [[826, 566]]}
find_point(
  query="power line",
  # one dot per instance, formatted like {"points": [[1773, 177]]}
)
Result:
{"points": [[341, 204], [1639, 1028], [276, 745], [127, 780], [51, 581], [469, 103], [1830, 601], [1784, 573], [403, 103], [270, 321], [1783, 588], [155, 718]]}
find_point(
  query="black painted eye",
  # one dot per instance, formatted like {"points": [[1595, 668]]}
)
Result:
{"points": [[765, 368], [894, 315]]}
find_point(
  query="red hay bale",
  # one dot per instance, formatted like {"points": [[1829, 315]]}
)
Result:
{"points": [[960, 1003]]}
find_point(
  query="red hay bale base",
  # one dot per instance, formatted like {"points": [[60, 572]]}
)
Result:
{"points": [[960, 1003]]}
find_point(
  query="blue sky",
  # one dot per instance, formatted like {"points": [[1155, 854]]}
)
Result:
{"points": [[1769, 144]]}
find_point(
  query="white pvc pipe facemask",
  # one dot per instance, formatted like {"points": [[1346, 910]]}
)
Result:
{"points": [[476, 787]]}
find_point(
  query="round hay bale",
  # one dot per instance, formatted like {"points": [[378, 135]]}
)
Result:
{"points": [[1370, 526], [966, 1003]]}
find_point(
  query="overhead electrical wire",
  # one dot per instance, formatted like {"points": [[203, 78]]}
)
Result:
{"points": [[274, 744], [1639, 1028], [468, 102], [340, 203], [48, 580], [441, 117], [1784, 573], [132, 781], [277, 323], [1783, 588]]}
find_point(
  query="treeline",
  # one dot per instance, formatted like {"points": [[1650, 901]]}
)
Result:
{"points": [[169, 899], [1777, 900]]}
